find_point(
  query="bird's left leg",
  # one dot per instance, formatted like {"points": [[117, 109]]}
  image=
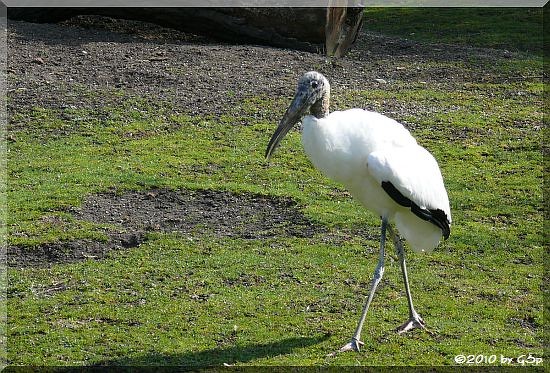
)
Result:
{"points": [[414, 321], [355, 343]]}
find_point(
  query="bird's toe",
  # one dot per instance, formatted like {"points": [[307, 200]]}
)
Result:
{"points": [[354, 345], [414, 322]]}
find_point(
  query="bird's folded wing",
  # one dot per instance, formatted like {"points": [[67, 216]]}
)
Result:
{"points": [[411, 177]]}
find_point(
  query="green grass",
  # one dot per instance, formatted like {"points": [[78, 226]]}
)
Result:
{"points": [[204, 300], [515, 29]]}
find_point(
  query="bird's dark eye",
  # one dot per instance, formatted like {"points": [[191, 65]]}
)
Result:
{"points": [[314, 84]]}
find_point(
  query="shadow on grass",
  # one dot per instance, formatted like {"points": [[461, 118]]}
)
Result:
{"points": [[218, 356]]}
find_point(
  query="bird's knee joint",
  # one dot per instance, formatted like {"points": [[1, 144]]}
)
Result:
{"points": [[378, 273]]}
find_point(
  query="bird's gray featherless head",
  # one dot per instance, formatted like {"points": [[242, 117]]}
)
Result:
{"points": [[312, 94], [314, 85]]}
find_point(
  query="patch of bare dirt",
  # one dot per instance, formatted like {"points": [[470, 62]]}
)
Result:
{"points": [[221, 214], [70, 251], [188, 212]]}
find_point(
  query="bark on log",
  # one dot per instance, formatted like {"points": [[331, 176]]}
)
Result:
{"points": [[330, 29]]}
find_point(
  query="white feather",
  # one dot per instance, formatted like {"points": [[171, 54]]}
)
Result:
{"points": [[361, 149]]}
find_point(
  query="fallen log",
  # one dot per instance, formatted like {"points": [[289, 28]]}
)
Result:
{"points": [[331, 30]]}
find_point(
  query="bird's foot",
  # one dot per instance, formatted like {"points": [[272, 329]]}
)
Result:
{"points": [[414, 322], [354, 345]]}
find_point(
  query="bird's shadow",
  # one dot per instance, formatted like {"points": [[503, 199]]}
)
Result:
{"points": [[216, 357]]}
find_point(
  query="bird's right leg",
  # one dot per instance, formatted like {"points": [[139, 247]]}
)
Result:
{"points": [[414, 321], [355, 343]]}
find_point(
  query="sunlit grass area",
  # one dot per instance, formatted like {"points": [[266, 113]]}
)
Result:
{"points": [[516, 29], [201, 299]]}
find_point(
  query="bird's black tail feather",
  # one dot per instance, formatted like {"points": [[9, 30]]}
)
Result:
{"points": [[434, 216]]}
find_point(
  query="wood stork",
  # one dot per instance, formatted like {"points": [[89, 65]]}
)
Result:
{"points": [[382, 166]]}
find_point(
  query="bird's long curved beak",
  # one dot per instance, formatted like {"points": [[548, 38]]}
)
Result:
{"points": [[292, 116]]}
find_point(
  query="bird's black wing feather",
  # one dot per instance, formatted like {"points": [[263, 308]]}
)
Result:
{"points": [[434, 216], [396, 195]]}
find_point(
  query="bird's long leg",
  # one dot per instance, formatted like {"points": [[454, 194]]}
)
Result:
{"points": [[414, 321], [355, 343]]}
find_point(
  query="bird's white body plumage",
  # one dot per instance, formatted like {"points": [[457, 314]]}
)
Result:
{"points": [[361, 149]]}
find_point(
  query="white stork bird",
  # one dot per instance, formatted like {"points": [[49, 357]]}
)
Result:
{"points": [[382, 166]]}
